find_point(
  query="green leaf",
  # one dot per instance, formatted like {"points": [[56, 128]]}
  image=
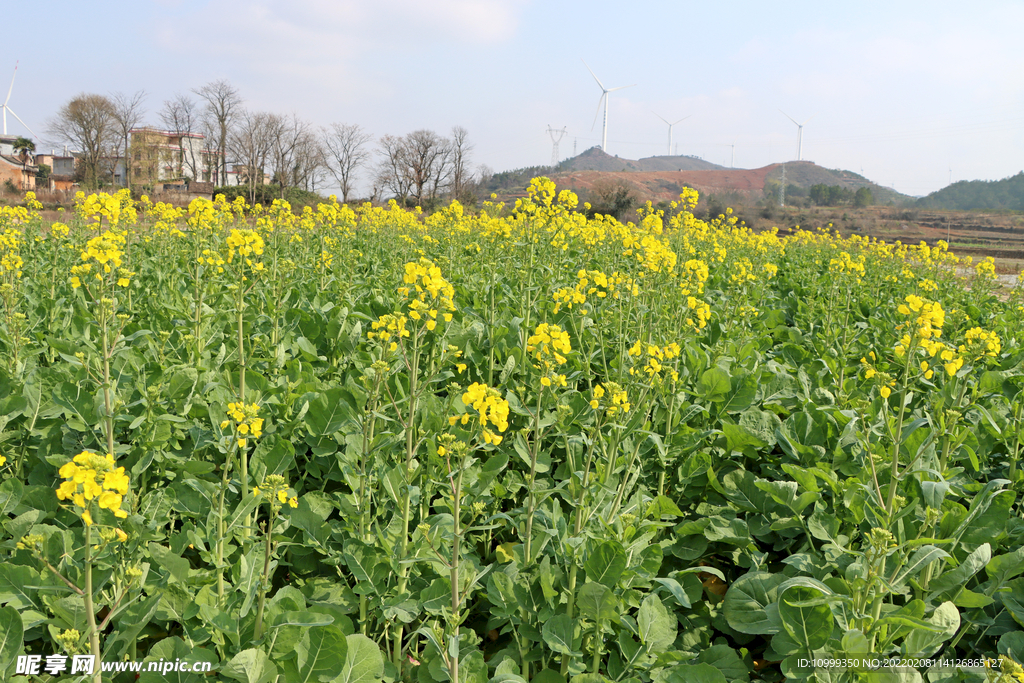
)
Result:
{"points": [[306, 619], [597, 602], [130, 623], [663, 506], [500, 593], [560, 635], [244, 508], [968, 599], [732, 531], [589, 678], [362, 560], [945, 617], [14, 582], [320, 656], [12, 635], [999, 569], [991, 382], [823, 526], [714, 385], [176, 565], [726, 660], [328, 412], [810, 626], [934, 493], [918, 561], [676, 589], [701, 672], [747, 600], [957, 578], [740, 487], [170, 650], [251, 666], [11, 491], [606, 564], [364, 663], [738, 437], [657, 626], [1012, 645]]}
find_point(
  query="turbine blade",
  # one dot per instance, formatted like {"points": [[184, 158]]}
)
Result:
{"points": [[621, 87], [11, 89], [805, 122], [594, 75], [598, 112], [19, 120], [660, 117], [789, 117], [682, 119]]}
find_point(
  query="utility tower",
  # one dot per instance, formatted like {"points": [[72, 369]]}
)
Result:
{"points": [[554, 143]]}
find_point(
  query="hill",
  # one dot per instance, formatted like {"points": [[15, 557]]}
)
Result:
{"points": [[806, 174], [594, 169], [662, 179], [594, 159], [971, 195]]}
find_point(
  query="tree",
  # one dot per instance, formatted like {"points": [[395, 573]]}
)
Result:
{"points": [[430, 162], [24, 147], [460, 151], [418, 166], [128, 113], [392, 174], [294, 151], [345, 150], [223, 104], [862, 197], [43, 174], [87, 123], [250, 142], [181, 116], [310, 167], [820, 194], [614, 197]]}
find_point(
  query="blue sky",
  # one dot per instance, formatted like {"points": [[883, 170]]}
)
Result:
{"points": [[911, 94]]}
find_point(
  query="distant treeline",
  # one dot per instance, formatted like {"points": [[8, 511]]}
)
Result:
{"points": [[516, 179], [1006, 194], [819, 195], [837, 195]]}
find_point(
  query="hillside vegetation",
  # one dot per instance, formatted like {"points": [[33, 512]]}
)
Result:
{"points": [[1006, 194]]}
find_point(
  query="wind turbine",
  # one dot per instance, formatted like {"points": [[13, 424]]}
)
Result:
{"points": [[670, 129], [799, 135], [604, 96], [6, 108]]}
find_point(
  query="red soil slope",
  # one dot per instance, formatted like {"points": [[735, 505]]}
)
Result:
{"points": [[666, 185]]}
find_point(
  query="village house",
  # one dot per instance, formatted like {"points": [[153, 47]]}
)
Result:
{"points": [[160, 156], [17, 167], [62, 171]]}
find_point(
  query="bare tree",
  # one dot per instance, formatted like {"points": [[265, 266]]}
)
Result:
{"points": [[428, 158], [222, 106], [418, 166], [460, 154], [392, 174], [250, 142], [87, 122], [345, 149], [310, 162], [128, 113], [181, 116], [290, 138]]}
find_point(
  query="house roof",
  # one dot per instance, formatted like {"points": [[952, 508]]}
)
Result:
{"points": [[18, 163]]}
